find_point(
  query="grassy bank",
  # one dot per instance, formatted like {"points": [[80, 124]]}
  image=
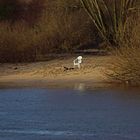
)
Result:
{"points": [[42, 27]]}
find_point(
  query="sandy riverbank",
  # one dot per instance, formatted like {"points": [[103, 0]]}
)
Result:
{"points": [[53, 72]]}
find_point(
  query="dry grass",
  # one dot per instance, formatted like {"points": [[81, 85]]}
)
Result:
{"points": [[58, 28], [63, 28], [125, 66], [17, 43]]}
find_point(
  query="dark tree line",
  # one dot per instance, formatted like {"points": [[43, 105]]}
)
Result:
{"points": [[14, 10]]}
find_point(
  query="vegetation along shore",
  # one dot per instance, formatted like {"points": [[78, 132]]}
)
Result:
{"points": [[39, 39]]}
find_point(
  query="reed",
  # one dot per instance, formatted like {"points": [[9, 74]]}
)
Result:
{"points": [[110, 17], [44, 28]]}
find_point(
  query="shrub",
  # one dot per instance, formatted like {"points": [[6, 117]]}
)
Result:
{"points": [[64, 30], [17, 43], [125, 64], [59, 28]]}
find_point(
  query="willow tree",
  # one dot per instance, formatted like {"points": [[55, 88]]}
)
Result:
{"points": [[110, 17]]}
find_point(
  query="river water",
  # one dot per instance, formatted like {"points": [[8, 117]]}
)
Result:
{"points": [[69, 114]]}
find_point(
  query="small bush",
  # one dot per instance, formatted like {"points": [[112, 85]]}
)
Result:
{"points": [[125, 65]]}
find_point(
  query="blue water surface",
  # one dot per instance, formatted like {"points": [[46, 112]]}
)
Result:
{"points": [[67, 114]]}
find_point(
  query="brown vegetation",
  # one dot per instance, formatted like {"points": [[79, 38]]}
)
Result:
{"points": [[43, 27], [17, 43], [110, 17], [125, 65], [30, 29]]}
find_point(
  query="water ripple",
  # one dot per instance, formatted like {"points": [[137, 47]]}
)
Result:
{"points": [[66, 133]]}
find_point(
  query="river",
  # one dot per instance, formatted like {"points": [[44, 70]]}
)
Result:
{"points": [[69, 114]]}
